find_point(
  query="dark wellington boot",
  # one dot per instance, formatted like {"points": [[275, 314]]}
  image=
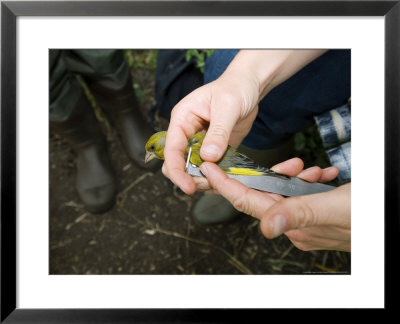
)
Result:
{"points": [[123, 110], [95, 181]]}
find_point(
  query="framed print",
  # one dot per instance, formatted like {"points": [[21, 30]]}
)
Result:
{"points": [[140, 256]]}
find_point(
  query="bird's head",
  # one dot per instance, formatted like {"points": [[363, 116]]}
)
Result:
{"points": [[155, 147]]}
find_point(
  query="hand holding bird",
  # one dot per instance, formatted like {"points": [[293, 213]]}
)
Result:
{"points": [[227, 108], [232, 162]]}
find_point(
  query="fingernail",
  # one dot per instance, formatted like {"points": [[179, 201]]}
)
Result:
{"points": [[204, 170], [210, 151], [278, 225]]}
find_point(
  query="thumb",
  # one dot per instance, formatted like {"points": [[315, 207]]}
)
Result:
{"points": [[223, 117], [328, 208]]}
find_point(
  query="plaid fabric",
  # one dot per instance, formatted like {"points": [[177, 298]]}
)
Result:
{"points": [[335, 130]]}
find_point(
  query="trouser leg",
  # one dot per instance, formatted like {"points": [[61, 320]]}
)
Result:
{"points": [[72, 117], [108, 76]]}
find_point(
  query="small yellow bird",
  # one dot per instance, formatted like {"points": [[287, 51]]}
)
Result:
{"points": [[232, 162]]}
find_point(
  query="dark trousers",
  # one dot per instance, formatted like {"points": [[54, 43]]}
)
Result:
{"points": [[105, 67]]}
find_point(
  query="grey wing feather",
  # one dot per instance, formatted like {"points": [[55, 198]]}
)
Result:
{"points": [[239, 160]]}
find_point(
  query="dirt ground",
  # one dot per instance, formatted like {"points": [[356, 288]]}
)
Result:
{"points": [[150, 229]]}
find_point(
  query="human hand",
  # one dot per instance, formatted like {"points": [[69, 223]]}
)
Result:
{"points": [[311, 222], [226, 108]]}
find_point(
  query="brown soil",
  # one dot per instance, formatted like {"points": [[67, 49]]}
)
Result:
{"points": [[150, 229]]}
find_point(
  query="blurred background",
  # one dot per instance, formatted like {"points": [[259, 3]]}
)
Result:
{"points": [[150, 229]]}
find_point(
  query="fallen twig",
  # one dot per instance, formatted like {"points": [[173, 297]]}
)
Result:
{"points": [[235, 262], [284, 254], [76, 221], [122, 195], [152, 229], [73, 204]]}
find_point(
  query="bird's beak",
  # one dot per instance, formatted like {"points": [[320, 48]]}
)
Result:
{"points": [[149, 156]]}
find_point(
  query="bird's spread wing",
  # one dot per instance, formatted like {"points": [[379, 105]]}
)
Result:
{"points": [[234, 162]]}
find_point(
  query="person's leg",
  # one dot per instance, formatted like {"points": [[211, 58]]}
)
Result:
{"points": [[108, 76], [72, 117], [322, 85]]}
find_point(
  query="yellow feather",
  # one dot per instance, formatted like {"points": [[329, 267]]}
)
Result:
{"points": [[243, 171]]}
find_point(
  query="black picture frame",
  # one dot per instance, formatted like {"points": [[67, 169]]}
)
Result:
{"points": [[10, 10]]}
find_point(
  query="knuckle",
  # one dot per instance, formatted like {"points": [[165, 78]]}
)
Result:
{"points": [[304, 215], [218, 130], [242, 204], [239, 203], [175, 112]]}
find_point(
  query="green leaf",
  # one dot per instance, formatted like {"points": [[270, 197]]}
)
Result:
{"points": [[138, 92]]}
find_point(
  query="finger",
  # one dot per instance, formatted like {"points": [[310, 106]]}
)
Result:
{"points": [[290, 167], [305, 211], [222, 120], [316, 174], [244, 199], [174, 165], [322, 244], [164, 170], [304, 246], [329, 174], [312, 174], [319, 234], [201, 184]]}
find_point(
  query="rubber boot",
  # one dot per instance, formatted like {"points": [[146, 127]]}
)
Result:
{"points": [[123, 110], [95, 181], [215, 209]]}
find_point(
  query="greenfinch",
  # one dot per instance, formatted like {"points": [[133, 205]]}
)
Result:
{"points": [[232, 162]]}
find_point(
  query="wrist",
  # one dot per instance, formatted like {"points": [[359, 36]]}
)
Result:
{"points": [[262, 66], [269, 68], [243, 85]]}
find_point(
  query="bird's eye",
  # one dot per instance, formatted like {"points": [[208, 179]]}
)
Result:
{"points": [[152, 147]]}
